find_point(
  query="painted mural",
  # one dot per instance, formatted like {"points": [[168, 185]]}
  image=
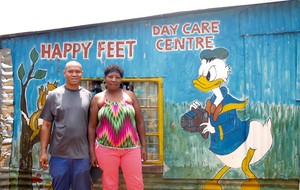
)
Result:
{"points": [[230, 81], [236, 143], [31, 123]]}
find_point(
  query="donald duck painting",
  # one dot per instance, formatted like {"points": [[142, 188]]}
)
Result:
{"points": [[236, 143]]}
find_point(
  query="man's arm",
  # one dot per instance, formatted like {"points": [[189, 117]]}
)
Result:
{"points": [[45, 133]]}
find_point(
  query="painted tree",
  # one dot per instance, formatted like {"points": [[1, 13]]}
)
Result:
{"points": [[26, 144]]}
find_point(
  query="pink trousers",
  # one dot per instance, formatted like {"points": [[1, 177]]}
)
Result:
{"points": [[130, 161]]}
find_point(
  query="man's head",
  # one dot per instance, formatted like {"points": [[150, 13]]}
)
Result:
{"points": [[73, 74]]}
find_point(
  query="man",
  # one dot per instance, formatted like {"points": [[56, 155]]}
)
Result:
{"points": [[67, 107]]}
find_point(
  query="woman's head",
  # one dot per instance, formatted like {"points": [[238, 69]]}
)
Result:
{"points": [[113, 68], [113, 77]]}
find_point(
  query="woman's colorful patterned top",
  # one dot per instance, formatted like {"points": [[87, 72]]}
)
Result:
{"points": [[117, 125]]}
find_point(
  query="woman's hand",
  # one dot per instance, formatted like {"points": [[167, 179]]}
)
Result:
{"points": [[144, 153], [93, 159]]}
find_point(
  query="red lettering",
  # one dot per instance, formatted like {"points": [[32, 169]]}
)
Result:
{"points": [[158, 46], [190, 42], [184, 28], [130, 43], [205, 26], [101, 48], [179, 44], [196, 29], [174, 29], [76, 49], [199, 43], [215, 27], [56, 51], [165, 31], [209, 41], [86, 49], [116, 49], [110, 49], [45, 51], [120, 49], [67, 49], [49, 52], [155, 30], [168, 44]]}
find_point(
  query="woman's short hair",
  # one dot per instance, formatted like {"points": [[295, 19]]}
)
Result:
{"points": [[113, 68]]}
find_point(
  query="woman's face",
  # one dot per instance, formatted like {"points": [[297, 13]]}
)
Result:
{"points": [[113, 80]]}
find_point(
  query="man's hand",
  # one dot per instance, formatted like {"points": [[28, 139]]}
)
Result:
{"points": [[44, 161]]}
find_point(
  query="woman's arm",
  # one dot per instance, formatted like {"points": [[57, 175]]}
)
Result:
{"points": [[139, 124], [93, 121]]}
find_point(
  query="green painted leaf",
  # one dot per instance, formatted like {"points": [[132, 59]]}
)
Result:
{"points": [[40, 74], [21, 72], [34, 55]]}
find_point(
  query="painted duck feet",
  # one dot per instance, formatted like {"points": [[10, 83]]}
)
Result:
{"points": [[212, 185], [251, 184]]}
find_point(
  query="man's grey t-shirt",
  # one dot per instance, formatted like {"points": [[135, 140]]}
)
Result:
{"points": [[68, 110]]}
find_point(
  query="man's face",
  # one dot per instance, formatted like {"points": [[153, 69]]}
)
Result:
{"points": [[73, 74]]}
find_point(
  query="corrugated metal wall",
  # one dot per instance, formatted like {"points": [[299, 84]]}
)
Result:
{"points": [[272, 48], [271, 68], [272, 36], [6, 114], [264, 56]]}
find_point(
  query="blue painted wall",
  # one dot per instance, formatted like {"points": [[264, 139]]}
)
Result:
{"points": [[263, 42]]}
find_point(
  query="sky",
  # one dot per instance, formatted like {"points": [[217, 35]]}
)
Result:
{"points": [[19, 16]]}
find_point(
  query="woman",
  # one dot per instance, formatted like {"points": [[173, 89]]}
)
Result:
{"points": [[117, 133]]}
